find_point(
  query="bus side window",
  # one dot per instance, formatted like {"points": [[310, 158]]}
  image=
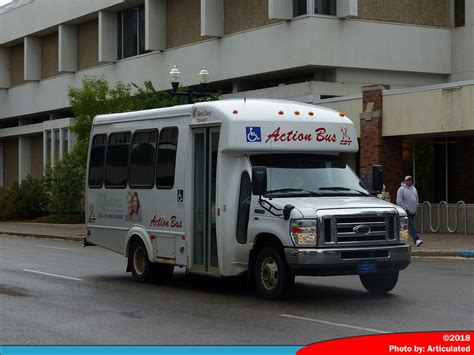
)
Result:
{"points": [[166, 162], [245, 196], [143, 158], [96, 161], [116, 160]]}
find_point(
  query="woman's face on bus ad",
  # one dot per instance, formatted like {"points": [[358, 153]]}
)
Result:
{"points": [[135, 204]]}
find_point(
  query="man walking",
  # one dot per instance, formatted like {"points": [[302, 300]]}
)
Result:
{"points": [[407, 198]]}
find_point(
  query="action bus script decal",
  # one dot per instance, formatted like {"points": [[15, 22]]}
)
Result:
{"points": [[320, 135], [171, 222]]}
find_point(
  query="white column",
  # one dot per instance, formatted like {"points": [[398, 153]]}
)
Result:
{"points": [[45, 150], [67, 48], [347, 8], [24, 157], [32, 58], [4, 68], [280, 9], [107, 36], [212, 18], [1, 164], [155, 25]]}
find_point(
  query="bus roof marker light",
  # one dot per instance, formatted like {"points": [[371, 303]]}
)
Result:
{"points": [[281, 113], [342, 114], [297, 113], [311, 113], [235, 112]]}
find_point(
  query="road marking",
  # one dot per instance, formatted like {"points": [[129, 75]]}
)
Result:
{"points": [[335, 324], [48, 274], [45, 246]]}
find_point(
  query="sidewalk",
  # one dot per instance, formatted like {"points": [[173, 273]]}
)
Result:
{"points": [[44, 230], [434, 244]]}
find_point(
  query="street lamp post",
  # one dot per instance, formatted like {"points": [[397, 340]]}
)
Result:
{"points": [[175, 78]]}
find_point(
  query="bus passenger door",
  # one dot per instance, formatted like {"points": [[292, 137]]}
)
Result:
{"points": [[205, 144]]}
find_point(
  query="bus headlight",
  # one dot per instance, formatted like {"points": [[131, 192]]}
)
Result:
{"points": [[303, 232], [404, 229]]}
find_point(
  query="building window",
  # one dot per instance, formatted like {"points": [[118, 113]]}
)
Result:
{"points": [[65, 143], [459, 13], [319, 7], [48, 148], [131, 32], [165, 167], [325, 7], [300, 7], [57, 142]]}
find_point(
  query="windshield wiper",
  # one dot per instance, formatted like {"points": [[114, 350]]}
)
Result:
{"points": [[340, 188], [311, 193]]}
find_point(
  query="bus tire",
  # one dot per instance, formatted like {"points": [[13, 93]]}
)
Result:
{"points": [[162, 272], [379, 283], [140, 266], [272, 277]]}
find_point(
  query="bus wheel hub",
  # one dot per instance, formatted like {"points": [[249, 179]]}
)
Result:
{"points": [[269, 274]]}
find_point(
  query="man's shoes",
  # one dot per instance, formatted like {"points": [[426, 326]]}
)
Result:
{"points": [[419, 242]]}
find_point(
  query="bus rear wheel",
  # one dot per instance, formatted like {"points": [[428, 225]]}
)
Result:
{"points": [[379, 283], [272, 277], [140, 266]]}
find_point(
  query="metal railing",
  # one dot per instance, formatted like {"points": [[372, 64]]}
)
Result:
{"points": [[448, 227]]}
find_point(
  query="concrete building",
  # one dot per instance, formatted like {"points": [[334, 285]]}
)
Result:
{"points": [[314, 51]]}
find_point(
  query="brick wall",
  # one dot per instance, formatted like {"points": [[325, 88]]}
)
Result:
{"points": [[375, 149], [242, 15], [49, 55], [17, 64], [88, 45], [183, 22], [418, 12]]}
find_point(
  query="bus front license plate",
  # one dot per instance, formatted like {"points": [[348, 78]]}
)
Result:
{"points": [[367, 267]]}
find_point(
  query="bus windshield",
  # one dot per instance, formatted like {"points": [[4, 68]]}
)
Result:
{"points": [[308, 175]]}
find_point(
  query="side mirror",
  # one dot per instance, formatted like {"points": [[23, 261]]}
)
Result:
{"points": [[377, 178], [287, 211], [259, 180]]}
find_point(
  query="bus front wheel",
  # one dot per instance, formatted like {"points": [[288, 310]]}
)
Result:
{"points": [[379, 283], [272, 277]]}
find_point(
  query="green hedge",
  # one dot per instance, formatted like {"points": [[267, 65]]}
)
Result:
{"points": [[27, 200]]}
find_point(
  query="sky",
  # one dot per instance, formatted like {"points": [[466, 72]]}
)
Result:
{"points": [[3, 2]]}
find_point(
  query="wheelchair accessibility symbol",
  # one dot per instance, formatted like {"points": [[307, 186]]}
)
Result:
{"points": [[180, 196], [253, 134]]}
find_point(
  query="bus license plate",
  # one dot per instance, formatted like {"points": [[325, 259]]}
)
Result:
{"points": [[367, 267]]}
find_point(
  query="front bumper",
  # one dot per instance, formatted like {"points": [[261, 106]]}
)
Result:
{"points": [[343, 261]]}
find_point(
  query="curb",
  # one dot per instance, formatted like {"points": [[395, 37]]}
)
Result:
{"points": [[444, 253], [466, 253], [44, 236]]}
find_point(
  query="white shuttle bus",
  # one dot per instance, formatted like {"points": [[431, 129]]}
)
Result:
{"points": [[235, 187]]}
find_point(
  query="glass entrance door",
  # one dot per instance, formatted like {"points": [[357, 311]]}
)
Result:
{"points": [[205, 143]]}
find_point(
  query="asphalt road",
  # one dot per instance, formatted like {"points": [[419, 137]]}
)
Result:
{"points": [[56, 292]]}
